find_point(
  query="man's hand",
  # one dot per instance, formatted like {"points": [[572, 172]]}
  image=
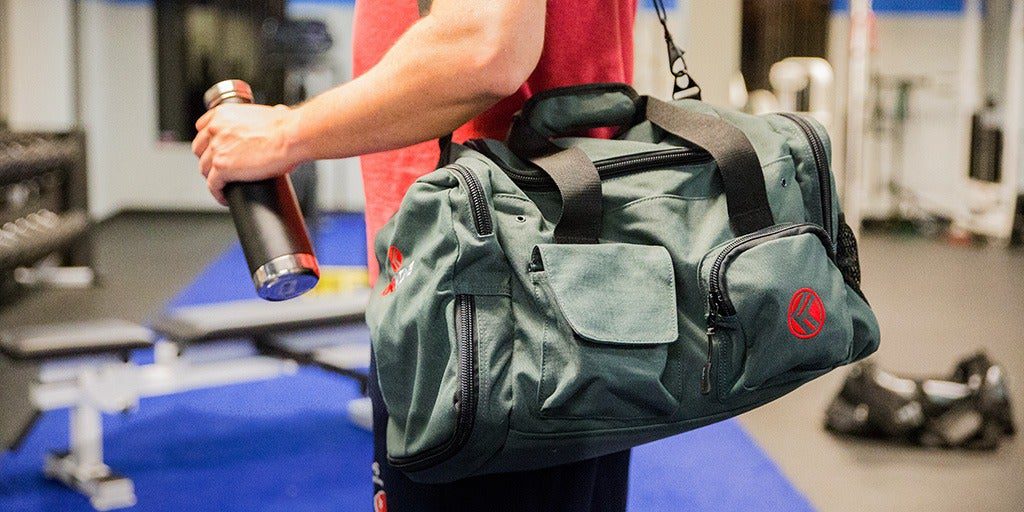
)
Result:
{"points": [[244, 143], [446, 69]]}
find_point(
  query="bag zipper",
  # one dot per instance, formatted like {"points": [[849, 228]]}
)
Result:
{"points": [[719, 304], [821, 164], [477, 201], [465, 401], [606, 168]]}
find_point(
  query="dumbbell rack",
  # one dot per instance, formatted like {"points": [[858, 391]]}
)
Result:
{"points": [[42, 204]]}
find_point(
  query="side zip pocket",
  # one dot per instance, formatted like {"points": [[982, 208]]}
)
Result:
{"points": [[465, 399], [778, 311]]}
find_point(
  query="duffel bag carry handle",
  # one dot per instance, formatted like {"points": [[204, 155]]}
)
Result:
{"points": [[566, 110], [746, 195], [580, 185]]}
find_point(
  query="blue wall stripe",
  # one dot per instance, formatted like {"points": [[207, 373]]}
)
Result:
{"points": [[908, 6]]}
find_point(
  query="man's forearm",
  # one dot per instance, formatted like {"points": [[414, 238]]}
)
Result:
{"points": [[436, 77]]}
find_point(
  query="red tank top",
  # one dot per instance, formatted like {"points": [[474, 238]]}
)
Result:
{"points": [[585, 41]]}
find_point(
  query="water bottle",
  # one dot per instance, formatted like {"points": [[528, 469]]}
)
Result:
{"points": [[268, 220]]}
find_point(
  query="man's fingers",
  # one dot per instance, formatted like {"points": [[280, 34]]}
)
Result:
{"points": [[205, 120], [206, 163], [201, 142], [216, 186]]}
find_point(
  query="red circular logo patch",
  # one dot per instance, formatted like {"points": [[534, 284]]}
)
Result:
{"points": [[380, 502], [806, 315]]}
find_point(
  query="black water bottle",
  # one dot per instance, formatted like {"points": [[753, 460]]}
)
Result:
{"points": [[268, 220]]}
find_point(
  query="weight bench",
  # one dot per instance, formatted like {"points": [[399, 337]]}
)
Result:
{"points": [[328, 332], [80, 358], [257, 319], [88, 369]]}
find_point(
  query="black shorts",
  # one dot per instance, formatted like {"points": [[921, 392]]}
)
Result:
{"points": [[597, 485]]}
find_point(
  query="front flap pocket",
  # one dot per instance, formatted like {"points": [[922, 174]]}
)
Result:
{"points": [[612, 293], [611, 317], [779, 310]]}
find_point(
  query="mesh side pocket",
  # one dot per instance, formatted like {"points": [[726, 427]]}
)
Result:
{"points": [[847, 258]]}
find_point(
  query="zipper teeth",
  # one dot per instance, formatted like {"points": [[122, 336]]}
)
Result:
{"points": [[467, 368], [716, 268], [465, 406], [612, 167], [820, 159], [477, 203], [717, 303]]}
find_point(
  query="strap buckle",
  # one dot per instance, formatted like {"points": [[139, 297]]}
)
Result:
{"points": [[684, 86]]}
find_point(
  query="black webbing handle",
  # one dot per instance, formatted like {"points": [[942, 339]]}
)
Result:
{"points": [[742, 177], [580, 184], [580, 187]]}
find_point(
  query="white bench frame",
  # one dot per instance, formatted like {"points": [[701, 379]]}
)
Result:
{"points": [[108, 385]]}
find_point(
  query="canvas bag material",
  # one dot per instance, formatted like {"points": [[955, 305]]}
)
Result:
{"points": [[522, 321]]}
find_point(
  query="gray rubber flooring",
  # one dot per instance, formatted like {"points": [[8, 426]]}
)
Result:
{"points": [[143, 259], [935, 304]]}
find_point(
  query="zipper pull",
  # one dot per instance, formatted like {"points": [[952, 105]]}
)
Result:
{"points": [[705, 373]]}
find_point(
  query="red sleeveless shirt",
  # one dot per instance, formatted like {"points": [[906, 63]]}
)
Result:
{"points": [[585, 41]]}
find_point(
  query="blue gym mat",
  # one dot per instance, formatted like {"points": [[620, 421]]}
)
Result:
{"points": [[286, 444]]}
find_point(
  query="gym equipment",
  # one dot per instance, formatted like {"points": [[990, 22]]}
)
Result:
{"points": [[43, 221], [969, 409], [92, 379], [804, 85], [86, 367], [989, 66], [991, 194], [268, 220], [299, 48], [862, 24]]}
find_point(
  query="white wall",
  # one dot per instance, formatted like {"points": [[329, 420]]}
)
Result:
{"points": [[38, 64], [129, 167], [714, 44], [4, 69]]}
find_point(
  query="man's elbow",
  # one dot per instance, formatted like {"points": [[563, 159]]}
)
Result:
{"points": [[501, 65]]}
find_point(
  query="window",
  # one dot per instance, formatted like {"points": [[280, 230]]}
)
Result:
{"points": [[201, 42]]}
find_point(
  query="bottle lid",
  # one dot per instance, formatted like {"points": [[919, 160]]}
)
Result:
{"points": [[225, 90]]}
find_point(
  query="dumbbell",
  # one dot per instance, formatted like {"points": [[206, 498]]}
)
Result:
{"points": [[268, 220]]}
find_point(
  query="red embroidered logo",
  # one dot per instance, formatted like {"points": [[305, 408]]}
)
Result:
{"points": [[399, 274], [380, 502], [806, 316]]}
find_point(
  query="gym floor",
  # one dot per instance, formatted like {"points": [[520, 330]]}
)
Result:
{"points": [[936, 303]]}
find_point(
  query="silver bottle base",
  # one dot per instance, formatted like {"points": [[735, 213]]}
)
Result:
{"points": [[286, 277]]}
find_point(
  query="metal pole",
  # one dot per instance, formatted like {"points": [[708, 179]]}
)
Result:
{"points": [[861, 31]]}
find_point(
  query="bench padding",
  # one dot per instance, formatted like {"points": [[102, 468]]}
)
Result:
{"points": [[257, 318], [73, 339]]}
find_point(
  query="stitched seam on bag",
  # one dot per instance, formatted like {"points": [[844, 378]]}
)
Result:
{"points": [[458, 244], [543, 345], [512, 196], [660, 196], [632, 428]]}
